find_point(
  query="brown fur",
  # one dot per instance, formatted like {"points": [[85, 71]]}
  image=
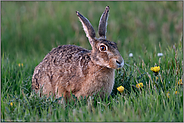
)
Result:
{"points": [[71, 69]]}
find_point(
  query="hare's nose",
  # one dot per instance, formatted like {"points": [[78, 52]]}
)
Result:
{"points": [[120, 63]]}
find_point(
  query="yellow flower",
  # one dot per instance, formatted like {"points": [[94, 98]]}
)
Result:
{"points": [[11, 104], [176, 92], [20, 64], [180, 82], [139, 85], [167, 94], [121, 89], [155, 69]]}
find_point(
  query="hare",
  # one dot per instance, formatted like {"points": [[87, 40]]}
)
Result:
{"points": [[70, 69]]}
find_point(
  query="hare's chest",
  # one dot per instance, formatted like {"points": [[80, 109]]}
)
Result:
{"points": [[107, 82]]}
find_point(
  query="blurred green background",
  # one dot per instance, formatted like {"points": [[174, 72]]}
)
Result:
{"points": [[30, 30]]}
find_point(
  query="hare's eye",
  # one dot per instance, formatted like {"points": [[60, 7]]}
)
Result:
{"points": [[103, 48]]}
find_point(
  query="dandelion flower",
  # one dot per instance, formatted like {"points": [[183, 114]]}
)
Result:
{"points": [[131, 55], [20, 64], [139, 85], [160, 54], [180, 82], [176, 92], [121, 89], [11, 104], [155, 69]]}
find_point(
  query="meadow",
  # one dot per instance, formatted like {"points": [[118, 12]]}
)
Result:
{"points": [[29, 30]]}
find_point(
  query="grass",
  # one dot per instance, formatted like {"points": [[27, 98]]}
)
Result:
{"points": [[31, 29]]}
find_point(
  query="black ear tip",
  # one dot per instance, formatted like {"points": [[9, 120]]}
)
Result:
{"points": [[107, 8]]}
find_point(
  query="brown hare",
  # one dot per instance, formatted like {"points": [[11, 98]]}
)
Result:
{"points": [[70, 69]]}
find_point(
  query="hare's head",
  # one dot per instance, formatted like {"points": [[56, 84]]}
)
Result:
{"points": [[104, 52]]}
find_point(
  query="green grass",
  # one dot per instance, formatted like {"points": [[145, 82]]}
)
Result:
{"points": [[31, 29]]}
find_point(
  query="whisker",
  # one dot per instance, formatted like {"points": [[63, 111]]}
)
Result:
{"points": [[127, 64]]}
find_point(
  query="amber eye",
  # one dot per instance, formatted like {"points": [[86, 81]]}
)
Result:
{"points": [[103, 48]]}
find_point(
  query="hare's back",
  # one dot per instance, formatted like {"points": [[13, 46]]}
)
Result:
{"points": [[66, 64], [66, 53], [63, 60]]}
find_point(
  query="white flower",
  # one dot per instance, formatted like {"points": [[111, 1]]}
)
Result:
{"points": [[160, 54], [131, 55]]}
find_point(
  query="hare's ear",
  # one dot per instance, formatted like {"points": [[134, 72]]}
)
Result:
{"points": [[102, 28], [88, 28]]}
